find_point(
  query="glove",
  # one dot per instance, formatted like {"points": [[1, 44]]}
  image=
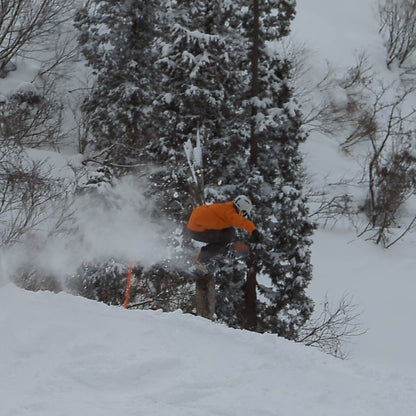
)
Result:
{"points": [[255, 236]]}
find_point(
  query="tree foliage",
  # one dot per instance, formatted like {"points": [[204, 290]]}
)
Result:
{"points": [[116, 39], [221, 77], [199, 87], [280, 267]]}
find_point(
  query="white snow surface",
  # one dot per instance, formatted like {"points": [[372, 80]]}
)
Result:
{"points": [[65, 355], [62, 355]]}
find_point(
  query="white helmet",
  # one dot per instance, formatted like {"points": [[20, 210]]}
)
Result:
{"points": [[243, 205]]}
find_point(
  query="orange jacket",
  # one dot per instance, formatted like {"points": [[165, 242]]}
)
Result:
{"points": [[218, 217]]}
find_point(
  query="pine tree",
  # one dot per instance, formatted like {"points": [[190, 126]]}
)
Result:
{"points": [[201, 95], [221, 74], [275, 183], [199, 86], [116, 38]]}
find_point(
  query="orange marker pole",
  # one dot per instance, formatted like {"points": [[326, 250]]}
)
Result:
{"points": [[129, 275]]}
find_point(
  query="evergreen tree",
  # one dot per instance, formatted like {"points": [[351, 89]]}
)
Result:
{"points": [[199, 87], [202, 87], [116, 37], [275, 183], [221, 76]]}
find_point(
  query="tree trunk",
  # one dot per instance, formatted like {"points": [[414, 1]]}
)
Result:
{"points": [[254, 80], [250, 295], [205, 296], [250, 299]]}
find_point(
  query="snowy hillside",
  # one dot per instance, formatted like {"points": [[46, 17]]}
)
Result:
{"points": [[380, 281], [63, 355]]}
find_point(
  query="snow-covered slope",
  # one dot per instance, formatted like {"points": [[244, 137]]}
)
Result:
{"points": [[381, 282], [64, 355], [336, 30]]}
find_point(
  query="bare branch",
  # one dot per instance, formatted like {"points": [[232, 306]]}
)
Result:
{"points": [[24, 21], [333, 328], [397, 19]]}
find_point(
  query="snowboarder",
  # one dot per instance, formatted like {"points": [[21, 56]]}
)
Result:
{"points": [[214, 224]]}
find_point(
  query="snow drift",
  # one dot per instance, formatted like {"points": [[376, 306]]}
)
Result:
{"points": [[65, 355]]}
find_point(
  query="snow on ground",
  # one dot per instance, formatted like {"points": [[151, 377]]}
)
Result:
{"points": [[337, 30], [63, 355], [382, 284]]}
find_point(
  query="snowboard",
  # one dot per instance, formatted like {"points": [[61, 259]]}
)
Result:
{"points": [[234, 250]]}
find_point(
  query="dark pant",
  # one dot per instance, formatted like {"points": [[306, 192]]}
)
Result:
{"points": [[217, 242]]}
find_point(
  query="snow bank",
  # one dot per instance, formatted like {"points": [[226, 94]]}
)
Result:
{"points": [[66, 356]]}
